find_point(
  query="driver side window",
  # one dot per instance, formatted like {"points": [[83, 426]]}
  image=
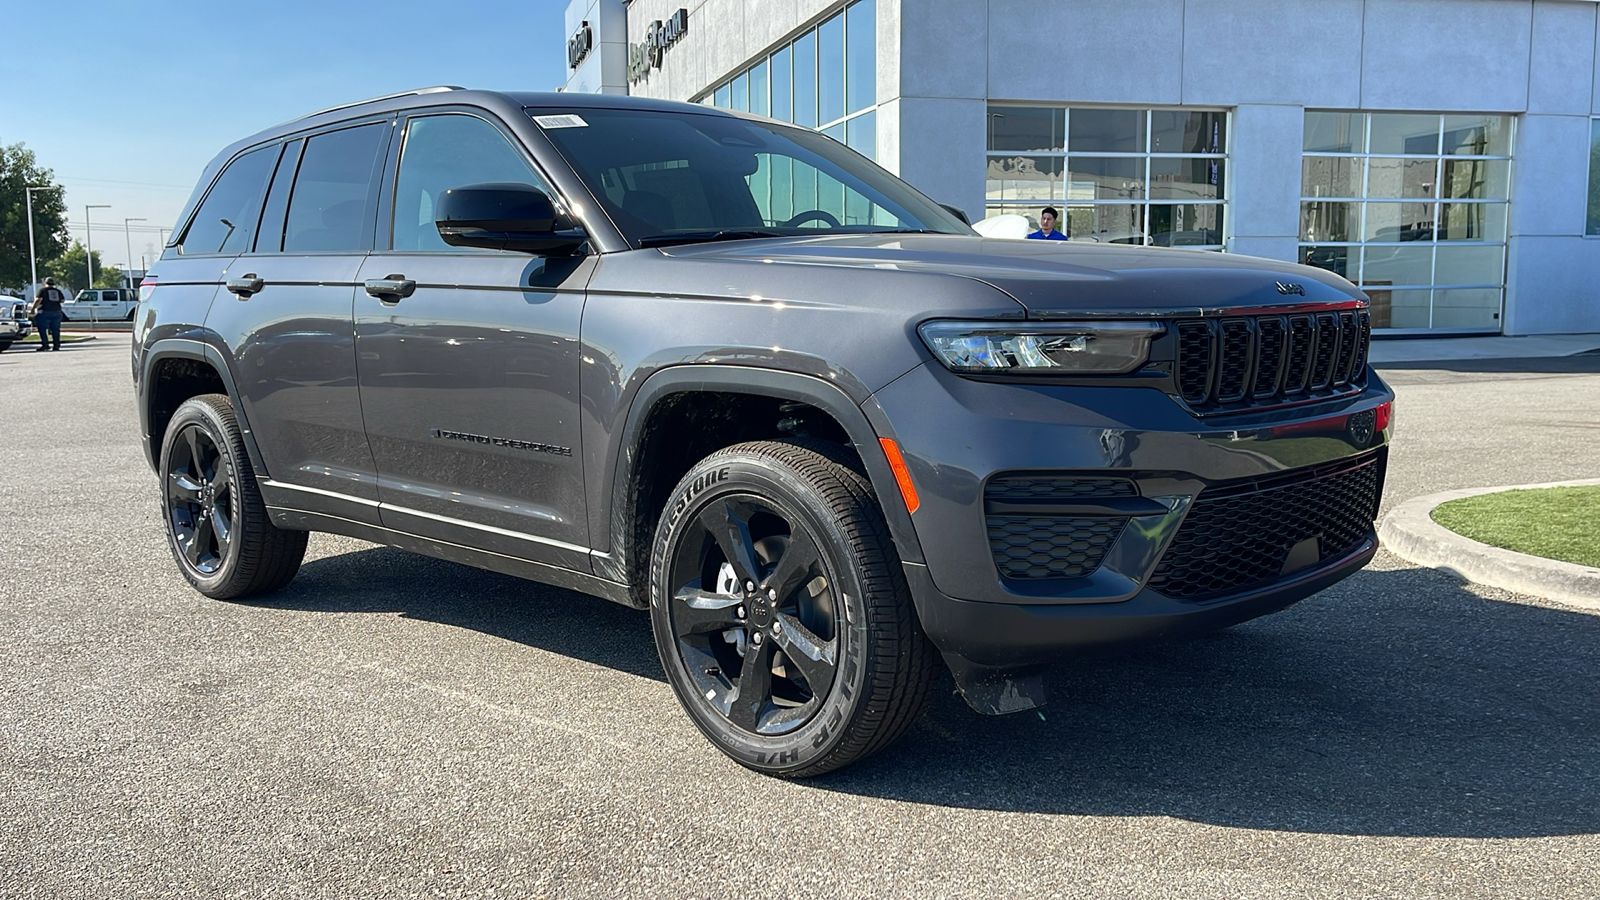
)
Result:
{"points": [[789, 190], [444, 152]]}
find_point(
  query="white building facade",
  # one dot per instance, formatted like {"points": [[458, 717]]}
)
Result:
{"points": [[1436, 152]]}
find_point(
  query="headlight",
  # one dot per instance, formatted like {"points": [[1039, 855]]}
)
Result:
{"points": [[1065, 348]]}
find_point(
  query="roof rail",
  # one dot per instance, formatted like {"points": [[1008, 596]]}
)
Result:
{"points": [[427, 90]]}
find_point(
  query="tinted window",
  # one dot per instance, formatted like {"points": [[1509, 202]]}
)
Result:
{"points": [[226, 221], [270, 239], [333, 191], [444, 152], [664, 174]]}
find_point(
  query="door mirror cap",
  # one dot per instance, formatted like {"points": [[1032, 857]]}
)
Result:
{"points": [[506, 216]]}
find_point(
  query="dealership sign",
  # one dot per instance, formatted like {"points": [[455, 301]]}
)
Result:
{"points": [[646, 55], [579, 45]]}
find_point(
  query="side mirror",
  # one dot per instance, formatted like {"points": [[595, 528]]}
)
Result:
{"points": [[505, 216], [957, 212]]}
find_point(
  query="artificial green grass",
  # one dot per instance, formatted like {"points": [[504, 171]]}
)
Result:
{"points": [[1556, 523]]}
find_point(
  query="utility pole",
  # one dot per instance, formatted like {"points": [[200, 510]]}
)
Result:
{"points": [[88, 240], [128, 245], [33, 264]]}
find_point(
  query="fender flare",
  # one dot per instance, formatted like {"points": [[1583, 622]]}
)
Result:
{"points": [[829, 398], [197, 351]]}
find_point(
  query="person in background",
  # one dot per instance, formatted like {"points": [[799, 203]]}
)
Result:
{"points": [[47, 315], [1047, 226]]}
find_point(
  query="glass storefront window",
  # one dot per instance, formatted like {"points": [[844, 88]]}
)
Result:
{"points": [[861, 57], [782, 99], [805, 80], [1403, 133], [826, 78], [830, 70], [1411, 207], [1107, 130], [1332, 176], [1133, 176]]}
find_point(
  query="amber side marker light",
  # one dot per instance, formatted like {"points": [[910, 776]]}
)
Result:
{"points": [[902, 475]]}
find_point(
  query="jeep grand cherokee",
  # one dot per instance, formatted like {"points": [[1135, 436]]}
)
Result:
{"points": [[729, 371]]}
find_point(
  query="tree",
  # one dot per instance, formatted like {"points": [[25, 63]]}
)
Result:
{"points": [[71, 270], [18, 169]]}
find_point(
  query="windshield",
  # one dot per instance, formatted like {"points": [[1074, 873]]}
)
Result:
{"points": [[670, 177]]}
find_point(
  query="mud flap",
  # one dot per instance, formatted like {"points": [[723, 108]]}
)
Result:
{"points": [[997, 692]]}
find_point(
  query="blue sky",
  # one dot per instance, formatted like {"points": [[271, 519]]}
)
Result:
{"points": [[136, 98]]}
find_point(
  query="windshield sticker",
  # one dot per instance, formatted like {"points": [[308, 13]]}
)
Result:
{"points": [[561, 121]]}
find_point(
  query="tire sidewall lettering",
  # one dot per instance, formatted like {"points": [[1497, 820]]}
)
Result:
{"points": [[818, 736]]}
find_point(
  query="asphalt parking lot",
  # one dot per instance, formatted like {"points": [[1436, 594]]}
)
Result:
{"points": [[391, 725]]}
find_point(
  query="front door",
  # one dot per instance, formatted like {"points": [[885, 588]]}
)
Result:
{"points": [[469, 384]]}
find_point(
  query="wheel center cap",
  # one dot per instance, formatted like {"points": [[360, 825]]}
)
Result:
{"points": [[760, 612]]}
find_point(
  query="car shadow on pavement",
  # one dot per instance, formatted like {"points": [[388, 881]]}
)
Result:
{"points": [[1396, 703], [384, 579]]}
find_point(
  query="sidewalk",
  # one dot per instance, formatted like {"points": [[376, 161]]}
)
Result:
{"points": [[1408, 350]]}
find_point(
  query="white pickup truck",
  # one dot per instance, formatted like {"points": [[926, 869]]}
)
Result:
{"points": [[101, 305]]}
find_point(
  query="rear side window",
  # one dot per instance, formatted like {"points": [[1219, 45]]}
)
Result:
{"points": [[270, 240], [444, 152], [226, 221], [333, 191]]}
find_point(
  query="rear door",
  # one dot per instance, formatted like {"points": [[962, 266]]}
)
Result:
{"points": [[469, 385], [286, 315], [191, 268]]}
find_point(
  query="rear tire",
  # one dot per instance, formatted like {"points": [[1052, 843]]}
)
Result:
{"points": [[4, 346], [774, 561], [217, 525]]}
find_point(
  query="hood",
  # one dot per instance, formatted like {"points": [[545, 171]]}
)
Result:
{"points": [[1056, 279]]}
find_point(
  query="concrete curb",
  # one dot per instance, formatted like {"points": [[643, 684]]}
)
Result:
{"points": [[1410, 532]]}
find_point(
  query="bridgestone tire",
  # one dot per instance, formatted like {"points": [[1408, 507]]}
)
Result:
{"points": [[883, 663], [258, 557]]}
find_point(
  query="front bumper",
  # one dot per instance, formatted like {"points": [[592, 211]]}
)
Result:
{"points": [[961, 437]]}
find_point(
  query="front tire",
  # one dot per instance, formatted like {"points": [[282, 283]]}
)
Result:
{"points": [[217, 525], [780, 611]]}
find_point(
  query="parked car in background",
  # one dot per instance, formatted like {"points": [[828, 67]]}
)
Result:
{"points": [[101, 305], [14, 321]]}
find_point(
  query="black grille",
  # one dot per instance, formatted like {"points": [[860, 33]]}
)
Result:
{"points": [[1235, 359], [1056, 487], [1194, 360], [1225, 365], [1241, 534], [1269, 358], [1030, 547]]}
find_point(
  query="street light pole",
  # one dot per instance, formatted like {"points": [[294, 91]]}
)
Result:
{"points": [[33, 264], [88, 240], [128, 244]]}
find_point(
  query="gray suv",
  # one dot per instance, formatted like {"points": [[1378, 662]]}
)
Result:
{"points": [[729, 371]]}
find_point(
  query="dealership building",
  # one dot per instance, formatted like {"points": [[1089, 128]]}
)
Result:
{"points": [[1436, 152]]}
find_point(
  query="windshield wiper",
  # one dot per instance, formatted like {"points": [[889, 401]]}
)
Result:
{"points": [[700, 237]]}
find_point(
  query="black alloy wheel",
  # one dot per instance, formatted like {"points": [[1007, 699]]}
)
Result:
{"points": [[780, 612], [200, 508], [218, 528], [756, 620]]}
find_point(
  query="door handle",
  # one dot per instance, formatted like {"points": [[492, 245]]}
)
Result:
{"points": [[391, 288], [245, 285]]}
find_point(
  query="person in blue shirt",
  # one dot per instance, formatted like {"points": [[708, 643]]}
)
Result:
{"points": [[1047, 226]]}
